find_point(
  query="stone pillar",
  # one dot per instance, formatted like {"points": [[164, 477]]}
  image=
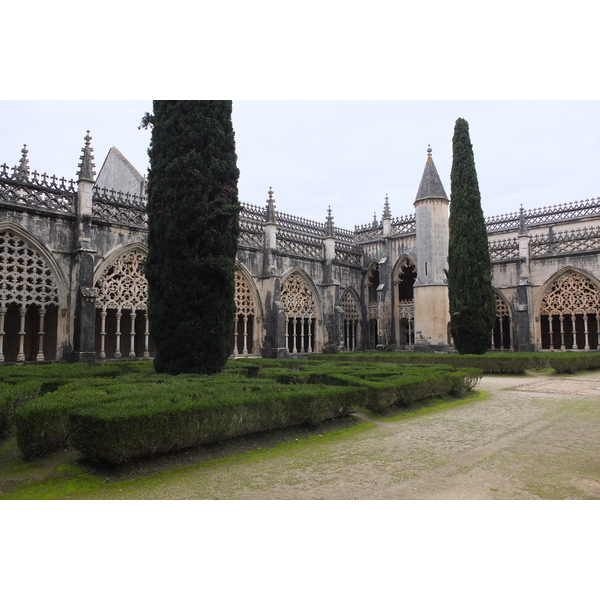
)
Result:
{"points": [[333, 315], [83, 293], [385, 328], [522, 328], [270, 239], [274, 342]]}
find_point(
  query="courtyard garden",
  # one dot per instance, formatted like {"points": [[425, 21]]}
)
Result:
{"points": [[71, 425]]}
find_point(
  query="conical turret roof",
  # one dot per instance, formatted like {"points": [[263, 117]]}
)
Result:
{"points": [[431, 185]]}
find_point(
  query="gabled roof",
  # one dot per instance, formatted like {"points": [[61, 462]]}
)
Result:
{"points": [[117, 173]]}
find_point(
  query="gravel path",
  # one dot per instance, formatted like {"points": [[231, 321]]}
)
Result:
{"points": [[533, 437]]}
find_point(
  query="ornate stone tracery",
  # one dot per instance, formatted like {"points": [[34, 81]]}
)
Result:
{"points": [[297, 297], [569, 313], [571, 293], [300, 311], [244, 301], [27, 282], [25, 276], [245, 318], [122, 286], [501, 338], [352, 314]]}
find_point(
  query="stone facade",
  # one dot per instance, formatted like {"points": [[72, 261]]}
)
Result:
{"points": [[72, 285]]}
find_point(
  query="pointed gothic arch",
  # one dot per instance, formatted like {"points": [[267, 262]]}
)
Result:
{"points": [[300, 301], [245, 336], [405, 275], [31, 292], [569, 311], [501, 338], [350, 304], [122, 327]]}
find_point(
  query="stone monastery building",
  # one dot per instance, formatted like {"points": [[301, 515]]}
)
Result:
{"points": [[72, 286]]}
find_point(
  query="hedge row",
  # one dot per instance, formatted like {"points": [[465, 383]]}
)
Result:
{"points": [[141, 413], [515, 363], [135, 427], [12, 396]]}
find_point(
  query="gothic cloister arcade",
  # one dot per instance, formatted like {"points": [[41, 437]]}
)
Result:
{"points": [[501, 338], [122, 328], [246, 327], [569, 312], [29, 300], [299, 299], [350, 304], [404, 280]]}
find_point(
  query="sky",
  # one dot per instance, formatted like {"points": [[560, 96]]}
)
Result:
{"points": [[344, 154]]}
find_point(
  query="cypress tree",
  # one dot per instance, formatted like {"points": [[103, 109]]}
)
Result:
{"points": [[470, 291], [193, 226]]}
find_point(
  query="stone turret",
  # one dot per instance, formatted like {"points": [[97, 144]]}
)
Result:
{"points": [[430, 289]]}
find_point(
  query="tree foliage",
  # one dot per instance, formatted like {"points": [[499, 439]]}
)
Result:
{"points": [[472, 298], [193, 226]]}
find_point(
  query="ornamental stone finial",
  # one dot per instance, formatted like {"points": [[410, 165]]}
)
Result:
{"points": [[87, 166], [387, 213], [271, 217], [428, 152], [329, 223], [22, 170], [522, 223]]}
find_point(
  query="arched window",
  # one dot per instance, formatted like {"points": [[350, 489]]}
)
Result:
{"points": [[351, 308], [28, 302], [569, 313], [405, 305], [245, 318], [121, 309], [300, 312]]}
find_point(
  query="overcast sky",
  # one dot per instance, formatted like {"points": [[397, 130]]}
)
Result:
{"points": [[344, 154]]}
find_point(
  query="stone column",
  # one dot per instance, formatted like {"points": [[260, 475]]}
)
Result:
{"points": [[523, 334], [83, 293], [333, 315]]}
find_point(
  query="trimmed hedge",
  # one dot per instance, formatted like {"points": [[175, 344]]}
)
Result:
{"points": [[43, 424], [135, 426], [118, 432], [130, 412], [118, 411], [11, 396], [492, 363]]}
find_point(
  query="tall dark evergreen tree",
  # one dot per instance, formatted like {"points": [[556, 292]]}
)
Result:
{"points": [[470, 291], [193, 226]]}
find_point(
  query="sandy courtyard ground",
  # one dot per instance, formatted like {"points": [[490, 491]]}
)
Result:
{"points": [[533, 437]]}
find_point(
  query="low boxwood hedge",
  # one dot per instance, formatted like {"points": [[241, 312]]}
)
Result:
{"points": [[492, 363], [11, 397], [139, 426], [131, 412], [135, 427]]}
